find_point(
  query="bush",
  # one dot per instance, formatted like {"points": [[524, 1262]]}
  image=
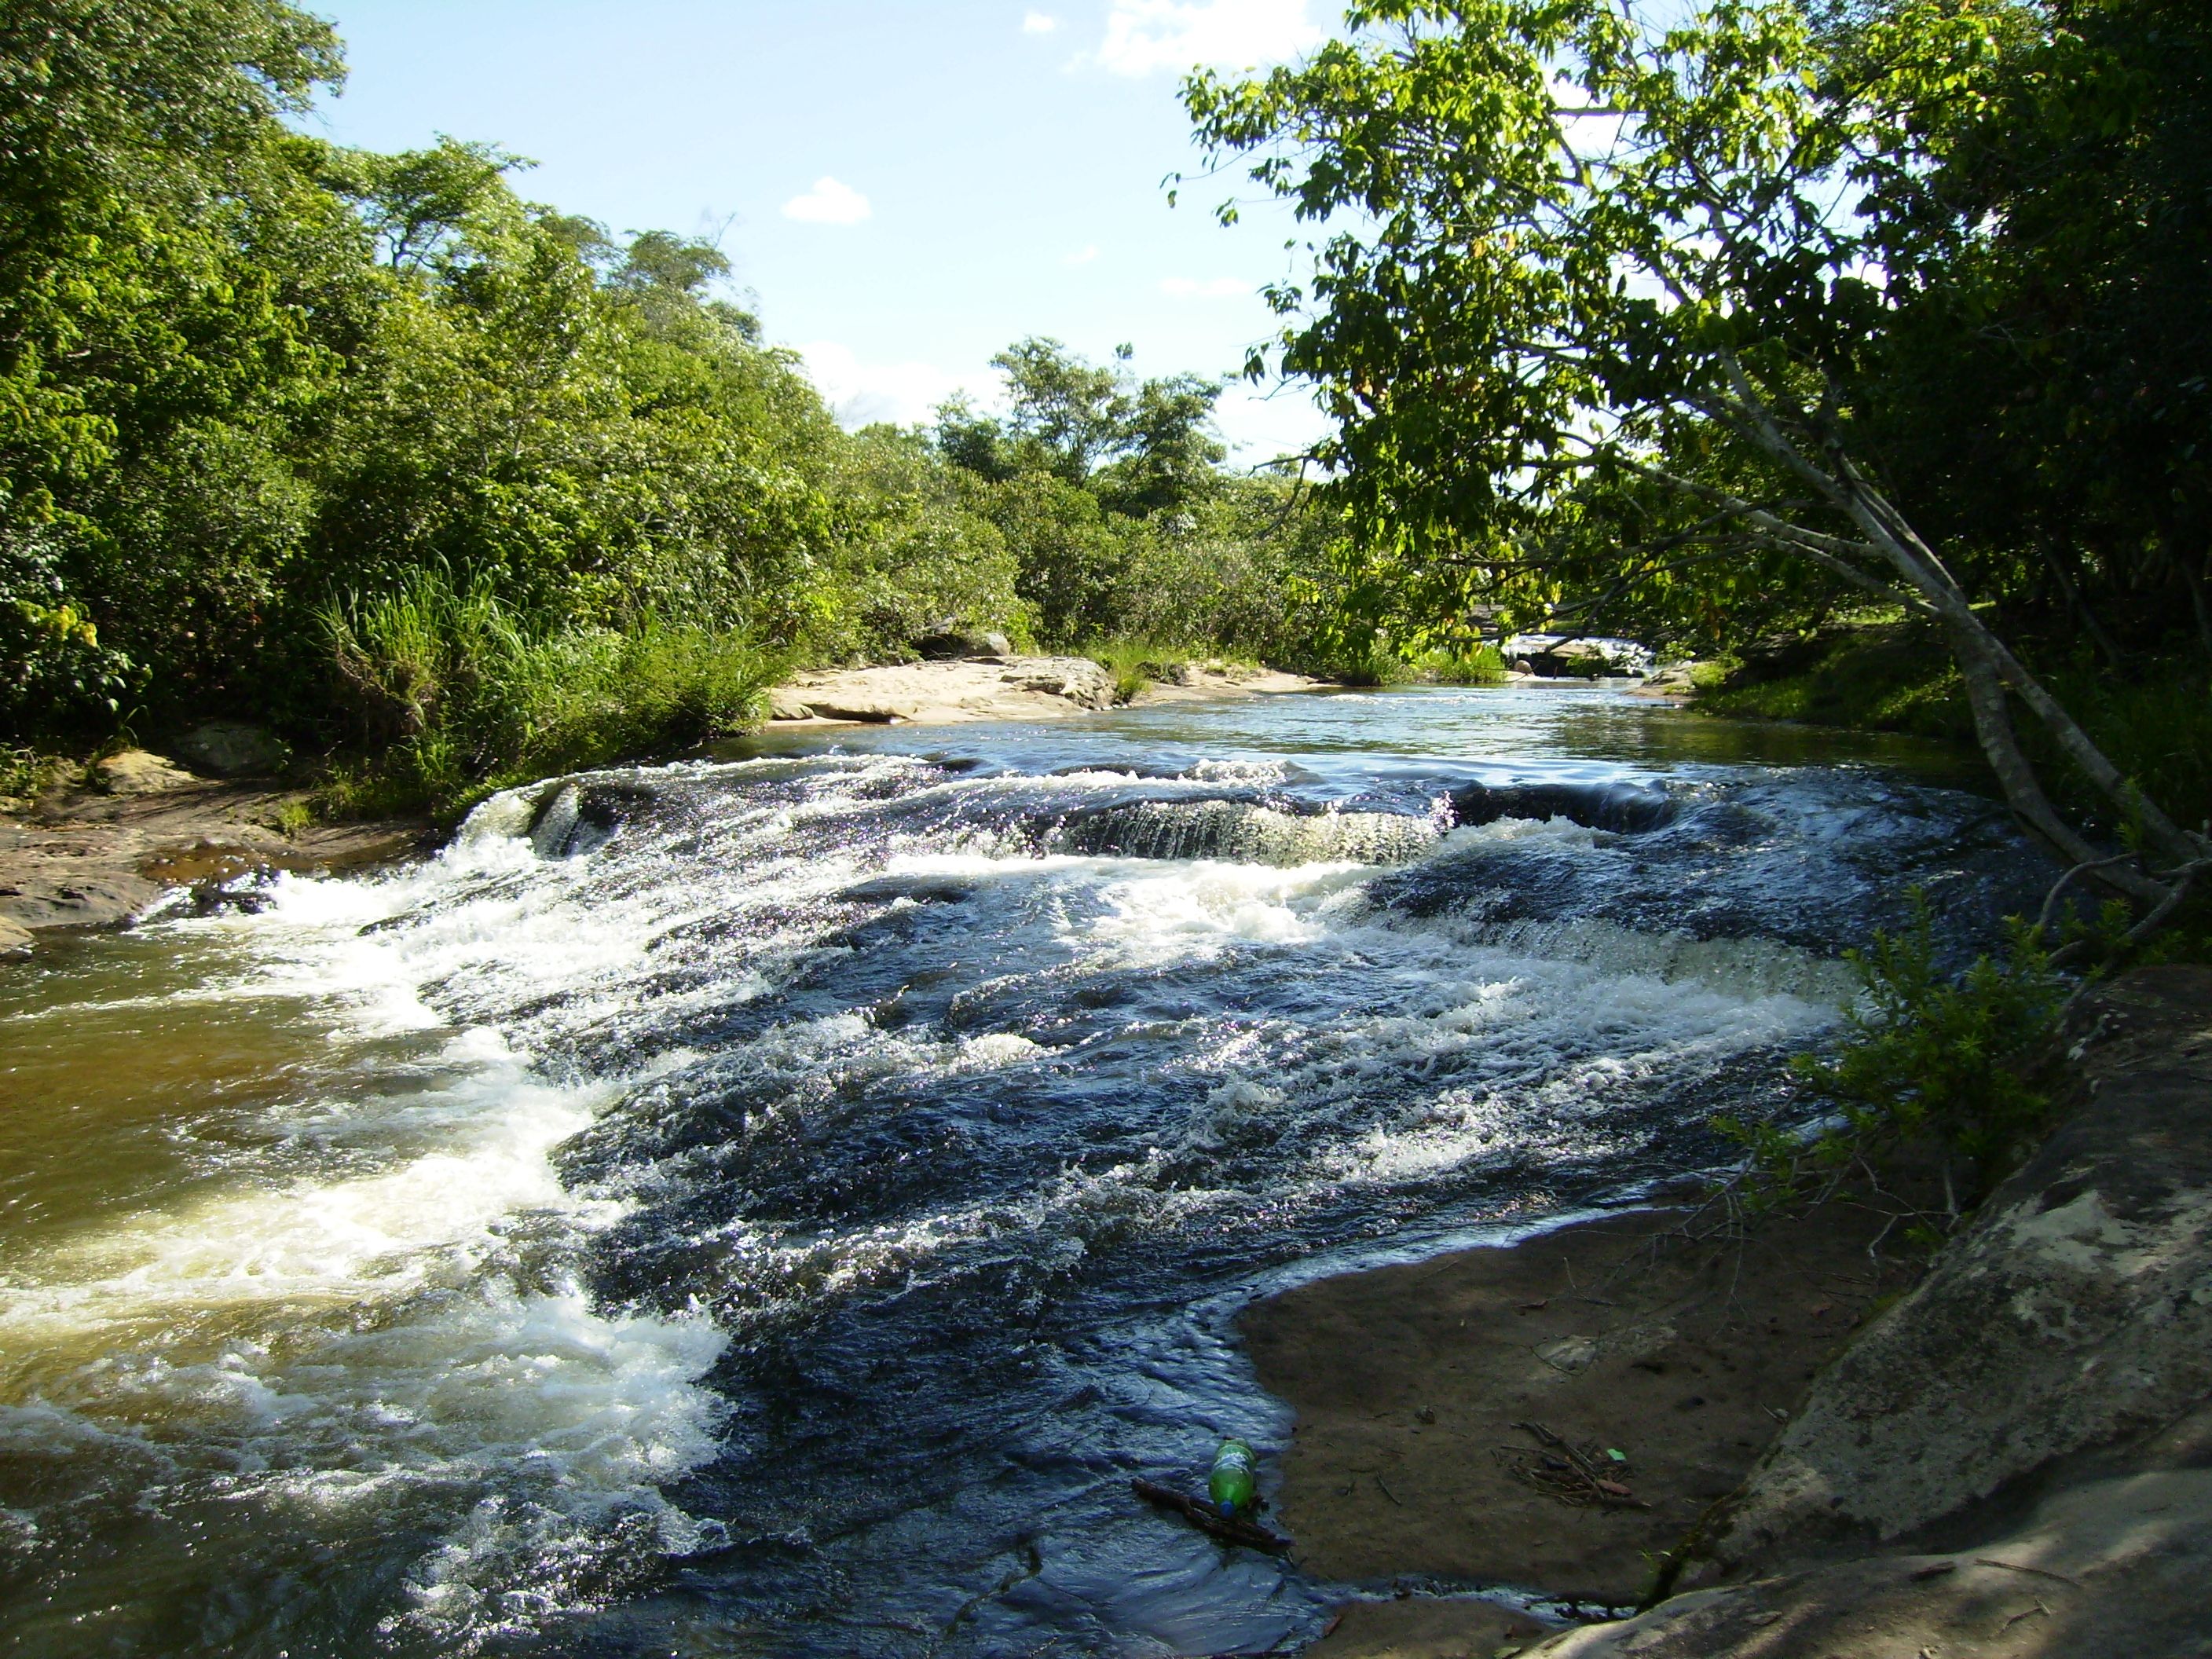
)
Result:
{"points": [[457, 698], [25, 774], [1135, 664], [1935, 1066], [1479, 665]]}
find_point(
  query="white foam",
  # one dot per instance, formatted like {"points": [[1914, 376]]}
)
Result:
{"points": [[376, 1317]]}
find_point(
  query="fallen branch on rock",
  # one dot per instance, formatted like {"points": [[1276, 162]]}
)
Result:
{"points": [[1227, 1528]]}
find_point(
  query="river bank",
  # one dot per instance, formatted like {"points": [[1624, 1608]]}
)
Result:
{"points": [[2010, 1460], [96, 851]]}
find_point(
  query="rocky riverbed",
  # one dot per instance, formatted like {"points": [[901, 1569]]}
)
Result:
{"points": [[98, 850]]}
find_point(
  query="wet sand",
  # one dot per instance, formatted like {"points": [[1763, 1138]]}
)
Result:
{"points": [[1424, 1393]]}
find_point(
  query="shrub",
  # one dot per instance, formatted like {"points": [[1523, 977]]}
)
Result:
{"points": [[1134, 663], [1479, 665], [457, 698], [1934, 1064]]}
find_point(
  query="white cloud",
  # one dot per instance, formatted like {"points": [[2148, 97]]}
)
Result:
{"points": [[1142, 36], [1037, 22], [1082, 256], [860, 392], [828, 203], [1218, 288]]}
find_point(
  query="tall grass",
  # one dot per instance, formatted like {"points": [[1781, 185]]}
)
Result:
{"points": [[456, 697], [1479, 665], [1136, 663]]}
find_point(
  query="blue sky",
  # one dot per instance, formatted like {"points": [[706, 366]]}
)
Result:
{"points": [[904, 187]]}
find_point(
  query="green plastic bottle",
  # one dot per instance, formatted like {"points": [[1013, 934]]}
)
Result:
{"points": [[1232, 1486]]}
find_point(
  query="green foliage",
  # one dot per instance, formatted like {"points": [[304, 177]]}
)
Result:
{"points": [[1881, 677], [25, 774], [1135, 664], [1934, 1064], [1735, 317], [373, 448], [2156, 722], [458, 698], [1479, 665]]}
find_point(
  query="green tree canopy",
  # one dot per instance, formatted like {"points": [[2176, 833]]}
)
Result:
{"points": [[1600, 304]]}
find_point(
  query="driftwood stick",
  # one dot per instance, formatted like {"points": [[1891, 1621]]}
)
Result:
{"points": [[1228, 1530], [1601, 1488]]}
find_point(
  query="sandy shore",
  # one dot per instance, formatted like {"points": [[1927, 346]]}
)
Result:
{"points": [[1412, 1464], [1009, 688]]}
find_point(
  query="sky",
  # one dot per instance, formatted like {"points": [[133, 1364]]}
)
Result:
{"points": [[902, 187]]}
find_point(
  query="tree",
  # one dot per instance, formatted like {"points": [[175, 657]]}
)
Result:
{"points": [[1606, 309], [1146, 446], [2047, 376], [160, 254]]}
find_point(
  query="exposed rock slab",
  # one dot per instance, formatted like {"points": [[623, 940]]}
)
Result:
{"points": [[96, 857], [995, 688], [2116, 1567], [948, 692]]}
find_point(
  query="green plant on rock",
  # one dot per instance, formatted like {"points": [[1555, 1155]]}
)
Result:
{"points": [[1134, 663], [1935, 1066]]}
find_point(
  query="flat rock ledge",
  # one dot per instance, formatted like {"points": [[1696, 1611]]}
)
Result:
{"points": [[993, 688], [2016, 1458], [98, 855]]}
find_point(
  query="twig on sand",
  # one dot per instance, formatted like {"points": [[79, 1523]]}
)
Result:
{"points": [[2039, 1573], [1577, 1480]]}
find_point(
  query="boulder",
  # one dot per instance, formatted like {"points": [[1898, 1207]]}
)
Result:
{"points": [[1079, 679], [14, 941], [100, 898], [234, 749], [135, 772], [784, 705], [950, 642]]}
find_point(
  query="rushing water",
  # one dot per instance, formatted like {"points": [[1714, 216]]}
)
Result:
{"points": [[771, 1205]]}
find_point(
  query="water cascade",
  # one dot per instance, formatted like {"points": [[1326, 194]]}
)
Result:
{"points": [[774, 1204]]}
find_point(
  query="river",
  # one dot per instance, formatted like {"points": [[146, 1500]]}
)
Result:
{"points": [[771, 1204]]}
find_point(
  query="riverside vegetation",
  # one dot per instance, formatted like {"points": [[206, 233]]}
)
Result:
{"points": [[1865, 336], [374, 450], [1782, 322]]}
